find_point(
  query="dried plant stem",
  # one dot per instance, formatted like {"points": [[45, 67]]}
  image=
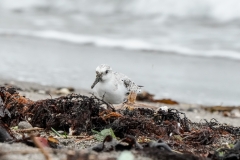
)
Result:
{"points": [[44, 152]]}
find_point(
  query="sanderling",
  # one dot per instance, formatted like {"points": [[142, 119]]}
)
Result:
{"points": [[113, 87]]}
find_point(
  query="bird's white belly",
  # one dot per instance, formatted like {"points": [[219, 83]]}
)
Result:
{"points": [[110, 93]]}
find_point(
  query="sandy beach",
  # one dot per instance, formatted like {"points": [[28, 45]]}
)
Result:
{"points": [[192, 81], [35, 92], [198, 80], [184, 53]]}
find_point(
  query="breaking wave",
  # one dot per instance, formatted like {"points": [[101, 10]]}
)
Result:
{"points": [[128, 44]]}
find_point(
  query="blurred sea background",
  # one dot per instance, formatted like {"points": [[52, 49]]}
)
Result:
{"points": [[187, 50]]}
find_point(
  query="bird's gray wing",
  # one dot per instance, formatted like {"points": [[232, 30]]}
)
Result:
{"points": [[128, 83]]}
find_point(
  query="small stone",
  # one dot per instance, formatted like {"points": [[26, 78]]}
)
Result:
{"points": [[61, 132], [63, 91], [41, 92], [126, 155], [71, 89], [163, 108], [3, 111], [24, 125], [194, 110], [235, 113], [226, 114]]}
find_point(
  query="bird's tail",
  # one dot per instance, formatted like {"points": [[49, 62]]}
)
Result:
{"points": [[139, 88]]}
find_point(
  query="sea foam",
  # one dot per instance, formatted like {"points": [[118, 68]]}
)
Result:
{"points": [[128, 44]]}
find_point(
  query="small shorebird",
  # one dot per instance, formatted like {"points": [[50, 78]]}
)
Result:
{"points": [[114, 87]]}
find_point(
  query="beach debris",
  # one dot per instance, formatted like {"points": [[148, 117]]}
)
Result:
{"points": [[166, 101], [228, 153], [5, 133], [12, 85], [203, 136], [82, 155], [111, 144], [42, 92], [128, 143], [148, 97], [57, 132], [29, 130], [156, 154], [126, 155], [237, 145], [42, 143], [145, 96], [108, 144], [220, 108], [226, 111], [101, 135], [53, 142], [24, 125], [64, 91], [74, 111], [120, 129], [15, 104], [107, 115], [163, 108], [4, 111], [235, 113], [160, 145]]}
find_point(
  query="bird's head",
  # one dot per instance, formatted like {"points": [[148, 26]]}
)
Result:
{"points": [[103, 73]]}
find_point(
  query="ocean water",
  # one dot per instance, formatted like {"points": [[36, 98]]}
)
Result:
{"points": [[187, 28], [190, 27]]}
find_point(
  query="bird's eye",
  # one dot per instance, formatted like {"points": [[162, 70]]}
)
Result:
{"points": [[106, 71], [97, 72]]}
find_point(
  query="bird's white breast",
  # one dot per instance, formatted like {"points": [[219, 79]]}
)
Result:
{"points": [[112, 91]]}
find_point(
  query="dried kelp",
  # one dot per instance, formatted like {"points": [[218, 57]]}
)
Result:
{"points": [[78, 112], [228, 153], [83, 114], [5, 133], [147, 97]]}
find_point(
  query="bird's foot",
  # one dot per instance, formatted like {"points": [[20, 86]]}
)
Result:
{"points": [[129, 103], [128, 106], [132, 97]]}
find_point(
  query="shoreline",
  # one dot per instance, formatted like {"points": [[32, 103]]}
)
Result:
{"points": [[189, 107], [194, 112], [184, 78]]}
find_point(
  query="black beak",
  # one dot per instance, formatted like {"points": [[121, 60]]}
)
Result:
{"points": [[98, 78]]}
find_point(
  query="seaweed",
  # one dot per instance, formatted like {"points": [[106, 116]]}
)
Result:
{"points": [[83, 114]]}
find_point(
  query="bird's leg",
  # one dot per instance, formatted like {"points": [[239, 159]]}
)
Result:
{"points": [[132, 97], [103, 96], [125, 101], [131, 100]]}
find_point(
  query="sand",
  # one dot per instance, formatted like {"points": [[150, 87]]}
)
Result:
{"points": [[36, 92], [187, 79], [194, 112]]}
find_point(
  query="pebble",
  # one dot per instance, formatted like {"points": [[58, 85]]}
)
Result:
{"points": [[63, 91], [24, 125], [163, 108], [235, 113], [41, 92], [126, 155]]}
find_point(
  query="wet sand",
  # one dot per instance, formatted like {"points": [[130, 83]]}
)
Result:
{"points": [[187, 79]]}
